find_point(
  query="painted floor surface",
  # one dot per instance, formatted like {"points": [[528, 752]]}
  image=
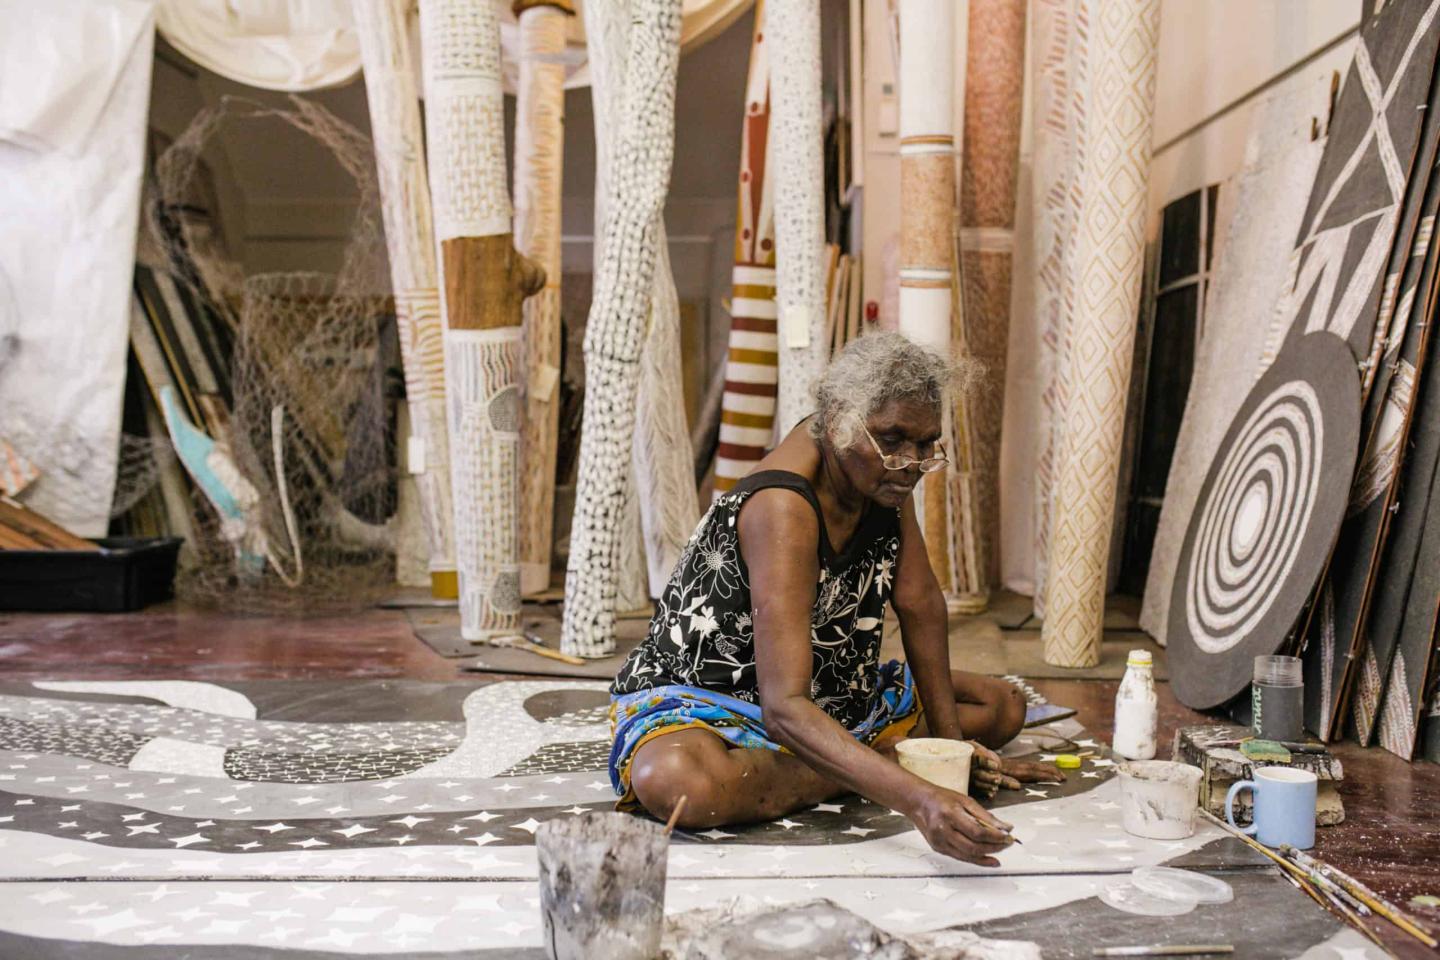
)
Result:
{"points": [[280, 818]]}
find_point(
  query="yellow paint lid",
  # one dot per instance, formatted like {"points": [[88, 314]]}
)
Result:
{"points": [[1067, 761]]}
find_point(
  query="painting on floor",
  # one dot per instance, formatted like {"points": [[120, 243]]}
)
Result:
{"points": [[300, 819]]}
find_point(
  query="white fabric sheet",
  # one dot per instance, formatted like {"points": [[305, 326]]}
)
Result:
{"points": [[70, 201], [276, 44]]}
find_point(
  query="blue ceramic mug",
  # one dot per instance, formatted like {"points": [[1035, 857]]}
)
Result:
{"points": [[1284, 807]]}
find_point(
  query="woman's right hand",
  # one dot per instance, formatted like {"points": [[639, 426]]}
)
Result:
{"points": [[957, 826]]}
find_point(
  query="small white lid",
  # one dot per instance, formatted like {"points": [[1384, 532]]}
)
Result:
{"points": [[1139, 658], [1123, 895], [1181, 885]]}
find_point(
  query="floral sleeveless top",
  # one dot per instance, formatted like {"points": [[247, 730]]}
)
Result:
{"points": [[701, 634]]}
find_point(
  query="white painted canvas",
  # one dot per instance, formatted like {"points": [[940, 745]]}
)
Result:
{"points": [[70, 202]]}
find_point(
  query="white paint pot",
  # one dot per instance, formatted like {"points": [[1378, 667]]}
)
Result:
{"points": [[1158, 798], [602, 886], [945, 763]]}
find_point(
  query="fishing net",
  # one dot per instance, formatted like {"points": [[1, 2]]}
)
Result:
{"points": [[295, 377]]}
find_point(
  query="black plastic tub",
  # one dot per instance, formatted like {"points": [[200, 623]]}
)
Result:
{"points": [[125, 574]]}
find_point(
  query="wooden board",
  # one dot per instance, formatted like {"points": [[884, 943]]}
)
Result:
{"points": [[1264, 521]]}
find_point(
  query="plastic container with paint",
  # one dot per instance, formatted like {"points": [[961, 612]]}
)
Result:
{"points": [[1136, 709], [602, 886], [1277, 699], [1158, 798], [945, 763]]}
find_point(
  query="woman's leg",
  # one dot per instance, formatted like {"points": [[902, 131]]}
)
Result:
{"points": [[991, 710], [722, 784]]}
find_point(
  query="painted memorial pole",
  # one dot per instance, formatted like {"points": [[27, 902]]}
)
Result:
{"points": [[927, 234], [793, 28], [747, 407], [410, 242], [989, 169], [1110, 254], [619, 313], [1058, 58], [662, 493], [485, 283], [539, 153]]}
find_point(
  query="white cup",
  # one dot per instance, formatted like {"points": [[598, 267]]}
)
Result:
{"points": [[945, 763]]}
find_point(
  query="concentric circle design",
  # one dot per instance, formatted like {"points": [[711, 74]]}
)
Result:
{"points": [[1252, 525], [1266, 517]]}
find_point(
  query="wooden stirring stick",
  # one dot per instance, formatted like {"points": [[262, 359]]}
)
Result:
{"points": [[675, 814]]}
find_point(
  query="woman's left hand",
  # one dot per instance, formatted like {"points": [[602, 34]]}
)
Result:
{"points": [[989, 773]]}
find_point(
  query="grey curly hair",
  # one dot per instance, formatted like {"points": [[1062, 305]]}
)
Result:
{"points": [[877, 369]]}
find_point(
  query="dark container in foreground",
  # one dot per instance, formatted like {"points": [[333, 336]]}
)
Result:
{"points": [[125, 574]]}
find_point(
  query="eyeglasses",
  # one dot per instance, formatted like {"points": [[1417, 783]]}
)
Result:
{"points": [[894, 461]]}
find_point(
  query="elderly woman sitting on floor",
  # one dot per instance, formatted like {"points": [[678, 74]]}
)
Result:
{"points": [[759, 689]]}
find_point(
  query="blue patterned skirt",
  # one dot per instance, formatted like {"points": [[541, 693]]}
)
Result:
{"points": [[639, 717]]}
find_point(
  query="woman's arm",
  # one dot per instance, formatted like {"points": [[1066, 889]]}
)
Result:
{"points": [[778, 540], [924, 629]]}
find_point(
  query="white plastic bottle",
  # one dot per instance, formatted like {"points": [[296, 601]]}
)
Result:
{"points": [[1135, 709]]}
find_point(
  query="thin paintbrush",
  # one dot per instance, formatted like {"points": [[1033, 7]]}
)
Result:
{"points": [[1164, 950], [1364, 894], [1302, 875]]}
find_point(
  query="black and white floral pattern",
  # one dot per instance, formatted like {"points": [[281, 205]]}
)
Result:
{"points": [[702, 633]]}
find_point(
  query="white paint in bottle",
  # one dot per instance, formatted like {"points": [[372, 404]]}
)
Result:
{"points": [[1135, 709]]}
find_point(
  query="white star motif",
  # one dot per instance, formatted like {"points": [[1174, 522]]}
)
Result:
{"points": [[305, 801], [206, 823], [1035, 793], [857, 831], [484, 816], [576, 810], [1089, 774], [95, 835], [410, 821], [556, 779], [787, 824], [483, 839], [529, 825], [829, 807], [124, 920], [391, 798], [356, 914], [1103, 762], [247, 846], [187, 841], [401, 841], [353, 831], [597, 785], [540, 796], [134, 816], [514, 928], [334, 810], [276, 827], [715, 834], [145, 828], [1114, 843]]}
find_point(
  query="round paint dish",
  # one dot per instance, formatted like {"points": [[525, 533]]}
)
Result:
{"points": [[1067, 761], [1183, 886], [1125, 896]]}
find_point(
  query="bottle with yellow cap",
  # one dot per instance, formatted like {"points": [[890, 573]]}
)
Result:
{"points": [[1135, 709]]}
